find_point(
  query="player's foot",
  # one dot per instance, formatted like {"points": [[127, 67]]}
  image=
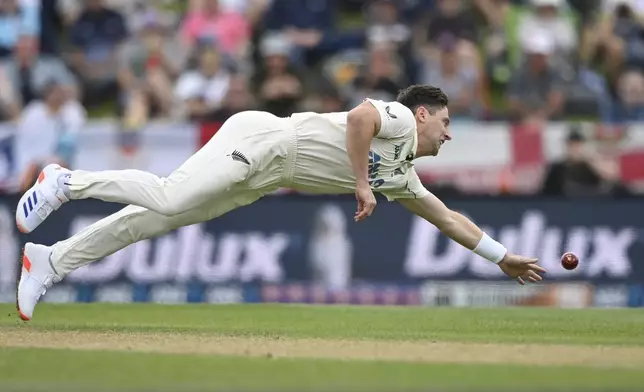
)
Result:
{"points": [[46, 196], [36, 277]]}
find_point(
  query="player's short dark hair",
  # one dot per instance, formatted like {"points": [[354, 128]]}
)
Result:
{"points": [[433, 98]]}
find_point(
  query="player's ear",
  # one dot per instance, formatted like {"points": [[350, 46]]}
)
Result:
{"points": [[422, 113]]}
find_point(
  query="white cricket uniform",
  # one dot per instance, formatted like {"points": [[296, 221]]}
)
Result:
{"points": [[253, 154]]}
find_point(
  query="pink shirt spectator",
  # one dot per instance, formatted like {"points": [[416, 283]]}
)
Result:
{"points": [[231, 30]]}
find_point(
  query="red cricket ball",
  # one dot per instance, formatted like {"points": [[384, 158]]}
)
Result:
{"points": [[569, 261]]}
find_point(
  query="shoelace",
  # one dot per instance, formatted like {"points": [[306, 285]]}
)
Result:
{"points": [[46, 285]]}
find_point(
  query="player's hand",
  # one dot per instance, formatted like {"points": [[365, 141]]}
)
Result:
{"points": [[366, 202], [521, 268]]}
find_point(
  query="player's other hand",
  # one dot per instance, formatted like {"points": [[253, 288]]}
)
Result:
{"points": [[366, 202], [521, 268]]}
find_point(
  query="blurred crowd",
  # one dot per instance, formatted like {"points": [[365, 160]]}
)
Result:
{"points": [[526, 61], [497, 59]]}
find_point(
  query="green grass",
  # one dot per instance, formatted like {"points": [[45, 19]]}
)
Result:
{"points": [[518, 325], [168, 372], [70, 370]]}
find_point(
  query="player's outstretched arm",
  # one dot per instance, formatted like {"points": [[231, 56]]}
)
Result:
{"points": [[363, 123], [462, 230]]}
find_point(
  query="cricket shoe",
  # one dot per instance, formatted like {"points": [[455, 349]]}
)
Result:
{"points": [[36, 277], [45, 197]]}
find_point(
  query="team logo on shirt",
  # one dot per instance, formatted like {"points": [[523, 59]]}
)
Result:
{"points": [[390, 114], [374, 169], [238, 156], [397, 150]]}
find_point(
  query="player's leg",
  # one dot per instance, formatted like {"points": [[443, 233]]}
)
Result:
{"points": [[133, 224], [205, 174], [209, 172], [43, 265]]}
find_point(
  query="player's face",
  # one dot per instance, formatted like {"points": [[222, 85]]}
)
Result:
{"points": [[433, 130]]}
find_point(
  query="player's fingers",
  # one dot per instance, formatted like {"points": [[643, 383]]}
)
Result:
{"points": [[535, 276], [537, 268], [362, 214], [520, 280], [531, 279]]}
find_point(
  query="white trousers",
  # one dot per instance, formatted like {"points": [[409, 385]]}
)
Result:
{"points": [[209, 184]]}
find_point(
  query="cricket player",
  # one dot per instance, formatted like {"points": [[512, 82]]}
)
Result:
{"points": [[368, 149]]}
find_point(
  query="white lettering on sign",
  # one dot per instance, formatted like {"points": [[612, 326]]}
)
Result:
{"points": [[192, 254], [602, 250]]}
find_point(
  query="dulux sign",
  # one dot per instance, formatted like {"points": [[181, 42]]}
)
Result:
{"points": [[306, 238]]}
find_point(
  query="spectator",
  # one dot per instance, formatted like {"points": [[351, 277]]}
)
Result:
{"points": [[458, 79], [148, 66], [386, 25], [578, 174], [500, 48], [238, 99], [617, 39], [305, 23], [26, 74], [310, 28], [47, 131], [279, 86], [536, 91], [17, 18], [382, 79], [229, 30], [201, 91], [550, 17], [96, 36], [452, 19], [630, 97]]}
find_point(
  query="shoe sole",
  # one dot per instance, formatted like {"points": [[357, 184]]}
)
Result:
{"points": [[23, 317]]}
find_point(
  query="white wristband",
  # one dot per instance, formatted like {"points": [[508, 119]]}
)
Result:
{"points": [[490, 249]]}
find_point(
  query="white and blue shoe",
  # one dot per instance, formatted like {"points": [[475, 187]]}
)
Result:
{"points": [[46, 196]]}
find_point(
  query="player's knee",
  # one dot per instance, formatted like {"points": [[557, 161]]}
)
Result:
{"points": [[170, 208]]}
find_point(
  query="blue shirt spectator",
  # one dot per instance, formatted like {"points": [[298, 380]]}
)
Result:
{"points": [[629, 105], [17, 18], [309, 26], [301, 14], [97, 31], [25, 75], [96, 36]]}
